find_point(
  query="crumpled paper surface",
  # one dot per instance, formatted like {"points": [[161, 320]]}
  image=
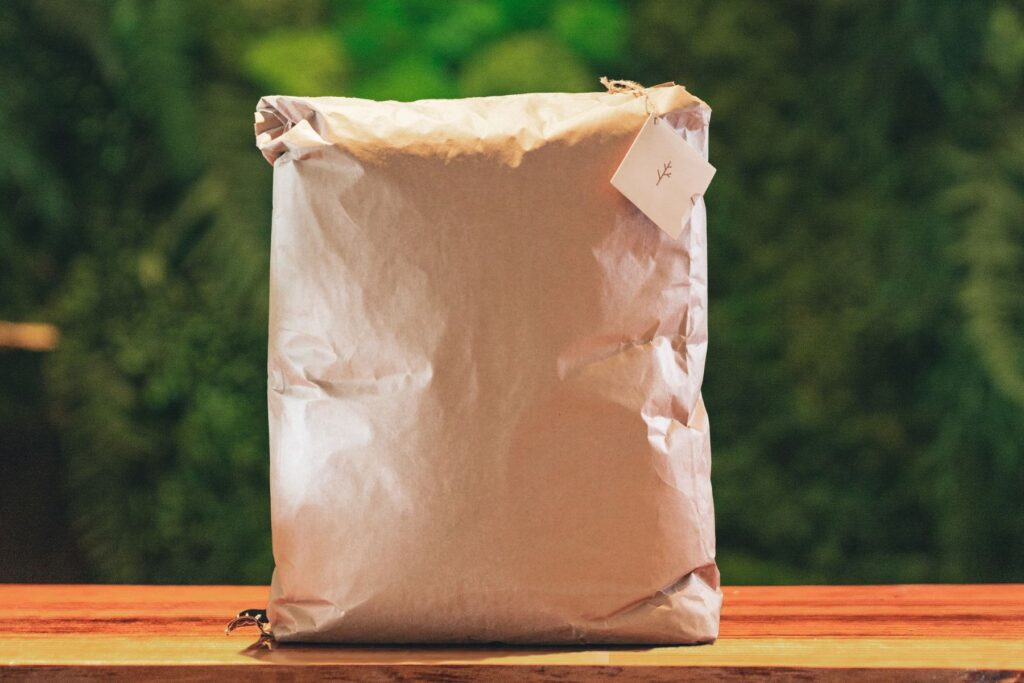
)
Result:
{"points": [[484, 376]]}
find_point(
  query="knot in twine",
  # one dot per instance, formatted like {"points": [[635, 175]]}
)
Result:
{"points": [[615, 85]]}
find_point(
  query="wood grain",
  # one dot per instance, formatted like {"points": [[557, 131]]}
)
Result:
{"points": [[795, 632]]}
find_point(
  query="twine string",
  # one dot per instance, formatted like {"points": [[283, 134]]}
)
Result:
{"points": [[619, 85]]}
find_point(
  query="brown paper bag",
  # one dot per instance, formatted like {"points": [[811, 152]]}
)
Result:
{"points": [[484, 376]]}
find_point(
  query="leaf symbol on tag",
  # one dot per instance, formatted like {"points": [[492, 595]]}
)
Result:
{"points": [[665, 172]]}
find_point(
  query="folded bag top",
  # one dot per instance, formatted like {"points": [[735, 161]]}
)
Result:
{"points": [[504, 128], [484, 375]]}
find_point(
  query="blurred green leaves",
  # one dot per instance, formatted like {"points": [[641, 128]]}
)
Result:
{"points": [[409, 78], [865, 321], [866, 369], [598, 30], [990, 204], [468, 26], [524, 63], [1005, 47], [390, 49], [308, 61], [416, 50]]}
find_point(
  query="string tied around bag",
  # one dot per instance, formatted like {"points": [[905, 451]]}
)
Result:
{"points": [[619, 85]]}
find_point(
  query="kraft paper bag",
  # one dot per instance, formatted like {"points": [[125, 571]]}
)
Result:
{"points": [[484, 375]]}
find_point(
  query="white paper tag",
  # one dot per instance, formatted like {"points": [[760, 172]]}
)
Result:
{"points": [[661, 173]]}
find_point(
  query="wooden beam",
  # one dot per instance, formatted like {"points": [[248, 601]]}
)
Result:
{"points": [[28, 336]]}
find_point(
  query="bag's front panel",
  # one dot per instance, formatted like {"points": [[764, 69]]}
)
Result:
{"points": [[484, 400]]}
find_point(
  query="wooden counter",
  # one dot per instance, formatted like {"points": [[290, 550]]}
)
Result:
{"points": [[970, 632]]}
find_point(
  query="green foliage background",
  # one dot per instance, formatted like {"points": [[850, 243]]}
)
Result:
{"points": [[866, 372]]}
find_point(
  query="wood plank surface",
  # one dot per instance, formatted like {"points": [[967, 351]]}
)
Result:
{"points": [[936, 632]]}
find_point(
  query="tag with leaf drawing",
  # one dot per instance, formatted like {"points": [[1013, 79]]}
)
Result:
{"points": [[662, 174]]}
